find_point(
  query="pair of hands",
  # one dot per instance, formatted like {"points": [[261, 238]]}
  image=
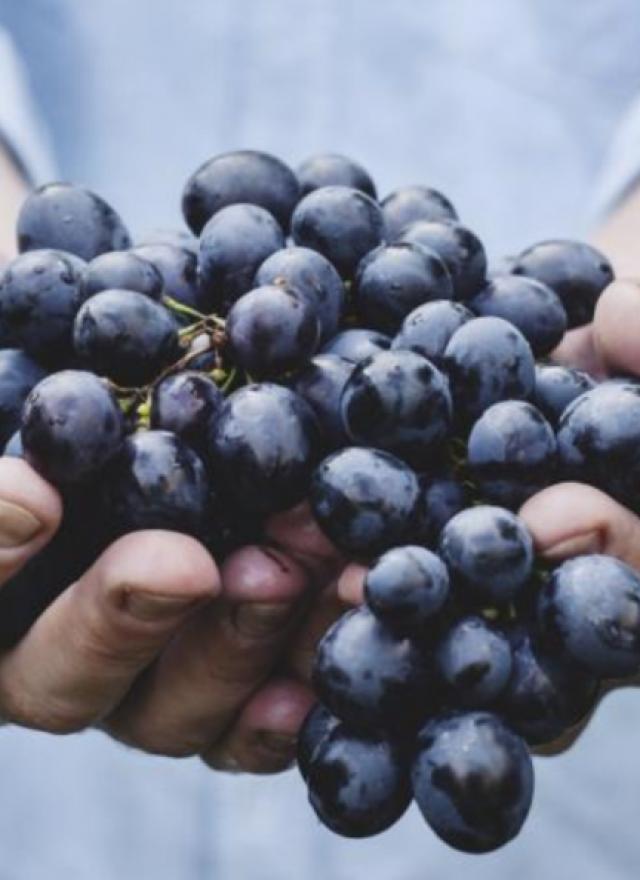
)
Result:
{"points": [[165, 652]]}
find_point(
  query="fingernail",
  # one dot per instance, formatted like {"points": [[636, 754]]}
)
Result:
{"points": [[589, 542], [17, 525], [149, 607], [262, 618], [281, 744]]}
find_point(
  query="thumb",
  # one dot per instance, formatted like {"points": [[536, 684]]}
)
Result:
{"points": [[616, 328]]}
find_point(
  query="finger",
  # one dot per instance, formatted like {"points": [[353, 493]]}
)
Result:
{"points": [[263, 739], [30, 513], [569, 519], [616, 328], [192, 694], [83, 653], [351, 584], [297, 533], [578, 350], [326, 609]]}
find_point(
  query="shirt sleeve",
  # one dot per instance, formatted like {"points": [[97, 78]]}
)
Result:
{"points": [[621, 172], [22, 131]]}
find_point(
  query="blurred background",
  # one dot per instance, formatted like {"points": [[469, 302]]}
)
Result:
{"points": [[516, 110]]}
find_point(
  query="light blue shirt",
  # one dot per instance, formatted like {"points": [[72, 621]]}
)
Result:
{"points": [[510, 108]]}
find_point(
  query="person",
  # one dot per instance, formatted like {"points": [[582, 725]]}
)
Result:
{"points": [[156, 646]]}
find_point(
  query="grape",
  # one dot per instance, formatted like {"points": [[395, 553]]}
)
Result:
{"points": [[178, 267], [392, 280], [440, 499], [158, 482], [321, 384], [576, 271], [122, 270], [358, 786], [68, 218], [313, 276], [489, 553], [370, 677], [71, 426], [428, 329], [243, 176], [406, 587], [474, 661], [180, 238], [589, 609], [511, 453], [185, 403], [458, 247], [364, 500], [332, 169], [315, 729], [400, 402], [357, 344], [233, 244], [264, 443], [272, 330], [18, 374], [40, 294], [125, 336], [598, 440], [473, 780], [410, 203], [546, 695], [341, 223], [488, 360], [529, 305], [557, 387]]}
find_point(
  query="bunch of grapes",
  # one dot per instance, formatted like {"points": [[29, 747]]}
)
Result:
{"points": [[305, 340]]}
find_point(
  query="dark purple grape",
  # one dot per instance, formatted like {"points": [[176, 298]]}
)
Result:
{"points": [[546, 695], [406, 587], [240, 177], [178, 267], [370, 677], [158, 482], [68, 218], [341, 223], [180, 238], [186, 403], [400, 402], [440, 499], [71, 426], [233, 245], [18, 374], [575, 270], [122, 270], [357, 344], [313, 276], [333, 169], [272, 330], [474, 661], [488, 360], [428, 329], [410, 203], [511, 453], [458, 247], [125, 336], [599, 440], [264, 443], [589, 610], [364, 500], [40, 294], [358, 786], [557, 387], [489, 553], [473, 780], [321, 384], [529, 305], [316, 727], [393, 280]]}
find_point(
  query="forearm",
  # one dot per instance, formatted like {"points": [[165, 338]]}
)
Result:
{"points": [[14, 189], [619, 236]]}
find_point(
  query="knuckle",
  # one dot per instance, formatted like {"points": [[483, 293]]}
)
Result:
{"points": [[47, 714]]}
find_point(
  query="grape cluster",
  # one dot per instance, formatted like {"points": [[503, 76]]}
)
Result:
{"points": [[304, 340]]}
